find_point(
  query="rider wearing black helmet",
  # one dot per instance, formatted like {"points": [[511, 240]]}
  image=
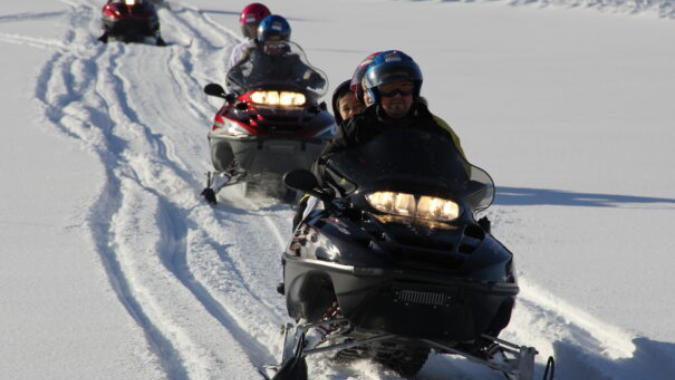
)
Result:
{"points": [[393, 81]]}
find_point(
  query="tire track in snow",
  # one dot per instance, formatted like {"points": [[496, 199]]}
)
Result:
{"points": [[55, 89], [61, 92], [148, 171], [226, 254], [132, 153], [175, 253]]}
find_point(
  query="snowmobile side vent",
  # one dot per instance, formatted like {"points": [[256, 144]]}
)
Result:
{"points": [[473, 237], [422, 298]]}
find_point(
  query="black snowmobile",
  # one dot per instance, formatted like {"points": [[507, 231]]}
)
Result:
{"points": [[130, 21], [395, 264]]}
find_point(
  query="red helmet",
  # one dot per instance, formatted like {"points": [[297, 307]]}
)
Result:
{"points": [[359, 73], [253, 14]]}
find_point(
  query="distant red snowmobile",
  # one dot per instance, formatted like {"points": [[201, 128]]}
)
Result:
{"points": [[272, 122], [130, 21]]}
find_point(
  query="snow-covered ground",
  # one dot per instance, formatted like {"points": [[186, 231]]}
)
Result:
{"points": [[112, 267]]}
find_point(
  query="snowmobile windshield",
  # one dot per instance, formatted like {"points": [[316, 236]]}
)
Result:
{"points": [[278, 65], [417, 162]]}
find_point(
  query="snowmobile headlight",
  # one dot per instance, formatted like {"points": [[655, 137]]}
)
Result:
{"points": [[426, 207], [278, 98], [432, 208], [130, 2], [393, 203]]}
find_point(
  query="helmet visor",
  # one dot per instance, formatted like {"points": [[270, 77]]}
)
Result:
{"points": [[392, 72], [389, 89]]}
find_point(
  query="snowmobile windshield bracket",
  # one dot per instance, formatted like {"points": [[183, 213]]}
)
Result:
{"points": [[305, 181]]}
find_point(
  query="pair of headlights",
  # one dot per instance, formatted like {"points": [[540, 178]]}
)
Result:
{"points": [[407, 205], [278, 98]]}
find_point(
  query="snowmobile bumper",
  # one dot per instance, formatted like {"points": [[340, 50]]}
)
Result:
{"points": [[259, 155], [389, 301], [130, 30]]}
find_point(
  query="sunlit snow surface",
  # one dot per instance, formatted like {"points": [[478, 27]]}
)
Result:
{"points": [[112, 267]]}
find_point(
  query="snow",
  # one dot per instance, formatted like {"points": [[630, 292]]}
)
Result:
{"points": [[112, 267]]}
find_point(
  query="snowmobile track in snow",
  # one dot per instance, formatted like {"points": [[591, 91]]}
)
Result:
{"points": [[200, 281]]}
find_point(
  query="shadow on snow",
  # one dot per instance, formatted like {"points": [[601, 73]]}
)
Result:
{"points": [[520, 196]]}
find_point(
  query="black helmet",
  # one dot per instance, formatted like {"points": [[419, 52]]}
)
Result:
{"points": [[392, 66]]}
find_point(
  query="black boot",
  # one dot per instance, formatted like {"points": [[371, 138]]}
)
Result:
{"points": [[209, 195]]}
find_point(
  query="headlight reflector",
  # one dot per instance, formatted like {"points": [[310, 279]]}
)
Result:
{"points": [[393, 203], [278, 98], [428, 208], [437, 209]]}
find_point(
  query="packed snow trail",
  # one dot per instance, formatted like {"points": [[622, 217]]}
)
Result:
{"points": [[199, 280], [129, 103]]}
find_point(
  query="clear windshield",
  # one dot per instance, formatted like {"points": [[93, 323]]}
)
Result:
{"points": [[414, 161], [278, 65]]}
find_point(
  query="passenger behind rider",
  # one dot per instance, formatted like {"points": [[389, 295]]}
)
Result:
{"points": [[250, 19], [358, 82], [273, 59], [345, 103]]}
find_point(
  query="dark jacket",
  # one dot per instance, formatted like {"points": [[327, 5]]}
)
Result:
{"points": [[363, 127]]}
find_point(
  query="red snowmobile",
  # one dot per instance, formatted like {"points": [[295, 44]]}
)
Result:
{"points": [[131, 21], [272, 122]]}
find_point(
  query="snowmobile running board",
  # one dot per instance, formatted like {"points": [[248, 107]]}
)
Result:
{"points": [[517, 362]]}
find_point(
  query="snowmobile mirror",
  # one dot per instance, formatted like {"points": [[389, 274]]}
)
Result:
{"points": [[213, 89], [305, 181], [323, 106]]}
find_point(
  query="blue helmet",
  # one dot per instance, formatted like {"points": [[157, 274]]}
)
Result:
{"points": [[274, 28], [392, 66]]}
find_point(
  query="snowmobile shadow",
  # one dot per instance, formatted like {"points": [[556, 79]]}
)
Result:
{"points": [[219, 12], [651, 360], [27, 16], [237, 13], [329, 50], [520, 196], [238, 205]]}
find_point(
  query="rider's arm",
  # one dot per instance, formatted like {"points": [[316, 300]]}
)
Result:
{"points": [[239, 53]]}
